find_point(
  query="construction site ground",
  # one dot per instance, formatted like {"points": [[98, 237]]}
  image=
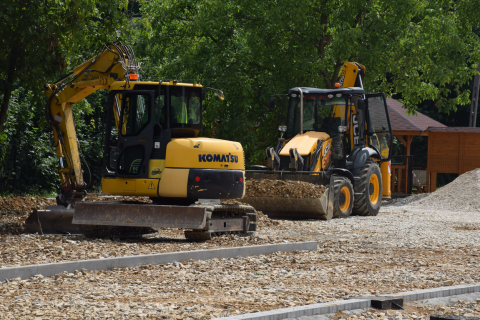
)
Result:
{"points": [[411, 244]]}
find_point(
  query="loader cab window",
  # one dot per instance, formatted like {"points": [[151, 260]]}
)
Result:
{"points": [[320, 113], [378, 126]]}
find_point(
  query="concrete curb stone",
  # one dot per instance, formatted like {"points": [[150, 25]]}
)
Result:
{"points": [[353, 304], [50, 269]]}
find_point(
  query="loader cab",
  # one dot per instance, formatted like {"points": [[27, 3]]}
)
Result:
{"points": [[336, 112], [141, 121]]}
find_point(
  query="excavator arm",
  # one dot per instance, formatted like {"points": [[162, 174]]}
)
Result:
{"points": [[115, 63]]}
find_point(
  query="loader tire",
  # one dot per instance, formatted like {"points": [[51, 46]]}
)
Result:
{"points": [[343, 198], [370, 186]]}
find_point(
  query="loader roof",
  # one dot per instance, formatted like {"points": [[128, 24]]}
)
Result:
{"points": [[308, 90]]}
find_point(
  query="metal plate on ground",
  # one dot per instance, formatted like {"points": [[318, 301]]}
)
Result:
{"points": [[387, 303], [139, 215], [291, 208]]}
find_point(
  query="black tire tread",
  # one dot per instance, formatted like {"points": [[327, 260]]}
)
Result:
{"points": [[360, 205], [338, 183]]}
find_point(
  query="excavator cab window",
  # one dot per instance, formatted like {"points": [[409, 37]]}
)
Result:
{"points": [[135, 114], [185, 108]]}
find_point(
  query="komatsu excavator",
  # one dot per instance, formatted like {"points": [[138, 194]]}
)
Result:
{"points": [[152, 149], [340, 138]]}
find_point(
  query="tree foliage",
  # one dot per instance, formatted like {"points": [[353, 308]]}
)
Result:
{"points": [[421, 49], [40, 38], [422, 52]]}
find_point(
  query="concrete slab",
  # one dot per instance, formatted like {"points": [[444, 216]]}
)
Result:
{"points": [[50, 269]]}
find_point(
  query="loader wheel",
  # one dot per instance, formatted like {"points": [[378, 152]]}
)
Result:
{"points": [[370, 186], [343, 199]]}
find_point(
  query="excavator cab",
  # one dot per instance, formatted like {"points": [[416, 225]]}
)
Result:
{"points": [[145, 114]]}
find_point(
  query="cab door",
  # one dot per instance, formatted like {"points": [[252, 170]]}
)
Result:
{"points": [[379, 131], [135, 134]]}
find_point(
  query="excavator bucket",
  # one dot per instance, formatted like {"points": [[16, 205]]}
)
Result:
{"points": [[53, 220], [293, 208], [108, 218]]}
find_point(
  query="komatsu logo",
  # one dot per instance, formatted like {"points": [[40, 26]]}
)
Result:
{"points": [[217, 158]]}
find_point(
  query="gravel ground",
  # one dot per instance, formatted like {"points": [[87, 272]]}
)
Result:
{"points": [[20, 248], [406, 247], [401, 249]]}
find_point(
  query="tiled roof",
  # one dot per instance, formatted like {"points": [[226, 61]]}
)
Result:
{"points": [[400, 120], [453, 129]]}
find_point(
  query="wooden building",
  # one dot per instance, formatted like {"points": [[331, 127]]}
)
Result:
{"points": [[405, 128], [450, 149]]}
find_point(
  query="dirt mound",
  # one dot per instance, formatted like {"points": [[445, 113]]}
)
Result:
{"points": [[283, 189], [20, 206], [459, 195], [15, 210]]}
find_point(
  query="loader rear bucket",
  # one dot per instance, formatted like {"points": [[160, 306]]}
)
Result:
{"points": [[292, 208], [54, 220]]}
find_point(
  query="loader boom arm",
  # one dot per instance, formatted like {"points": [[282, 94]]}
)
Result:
{"points": [[114, 63]]}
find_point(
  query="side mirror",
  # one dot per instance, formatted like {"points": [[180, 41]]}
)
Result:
{"points": [[272, 103]]}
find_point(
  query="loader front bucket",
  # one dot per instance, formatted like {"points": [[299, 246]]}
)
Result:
{"points": [[292, 208], [53, 220]]}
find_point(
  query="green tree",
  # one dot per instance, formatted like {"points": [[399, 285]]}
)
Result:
{"points": [[252, 49], [39, 38]]}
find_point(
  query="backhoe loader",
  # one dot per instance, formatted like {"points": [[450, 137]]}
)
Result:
{"points": [[340, 138], [152, 148]]}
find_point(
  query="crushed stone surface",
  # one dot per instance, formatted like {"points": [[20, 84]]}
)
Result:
{"points": [[399, 250], [282, 188], [459, 195], [403, 248]]}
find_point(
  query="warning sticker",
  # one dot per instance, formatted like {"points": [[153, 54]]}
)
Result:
{"points": [[58, 118], [151, 186]]}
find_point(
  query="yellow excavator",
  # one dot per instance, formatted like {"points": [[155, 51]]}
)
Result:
{"points": [[339, 138], [152, 149]]}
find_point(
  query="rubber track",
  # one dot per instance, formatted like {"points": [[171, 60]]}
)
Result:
{"points": [[360, 206]]}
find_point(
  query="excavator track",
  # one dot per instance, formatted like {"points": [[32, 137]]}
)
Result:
{"points": [[126, 220], [225, 219]]}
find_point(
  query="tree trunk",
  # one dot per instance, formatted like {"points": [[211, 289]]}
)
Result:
{"points": [[7, 93]]}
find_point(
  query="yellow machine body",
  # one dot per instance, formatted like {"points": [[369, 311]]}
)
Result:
{"points": [[151, 149], [169, 177]]}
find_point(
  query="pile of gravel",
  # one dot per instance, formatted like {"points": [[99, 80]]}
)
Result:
{"points": [[283, 189], [404, 201], [459, 195]]}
